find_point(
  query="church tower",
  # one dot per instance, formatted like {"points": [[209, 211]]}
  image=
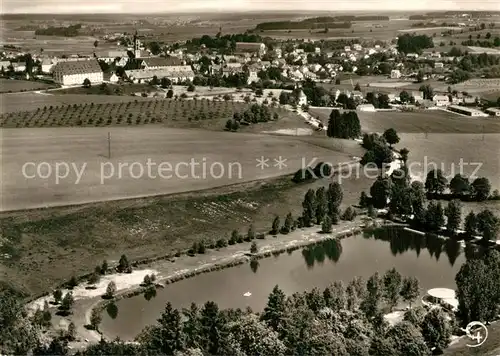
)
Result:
{"points": [[137, 46]]}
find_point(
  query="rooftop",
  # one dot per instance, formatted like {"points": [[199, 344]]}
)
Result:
{"points": [[160, 73], [161, 62], [78, 67]]}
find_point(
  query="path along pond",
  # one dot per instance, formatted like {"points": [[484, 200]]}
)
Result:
{"points": [[434, 261]]}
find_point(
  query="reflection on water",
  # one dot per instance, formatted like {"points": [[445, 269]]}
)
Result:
{"points": [[150, 293], [315, 266], [331, 249], [112, 310], [402, 241], [254, 265]]}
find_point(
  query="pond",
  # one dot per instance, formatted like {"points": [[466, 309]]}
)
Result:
{"points": [[433, 261]]}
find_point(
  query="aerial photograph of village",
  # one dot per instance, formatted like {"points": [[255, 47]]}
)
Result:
{"points": [[250, 178]]}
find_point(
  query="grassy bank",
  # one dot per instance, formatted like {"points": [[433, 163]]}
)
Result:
{"points": [[52, 245]]}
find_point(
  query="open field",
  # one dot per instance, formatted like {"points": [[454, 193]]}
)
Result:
{"points": [[455, 153], [14, 85], [441, 138], [430, 121], [16, 102], [51, 45], [220, 158], [72, 240]]}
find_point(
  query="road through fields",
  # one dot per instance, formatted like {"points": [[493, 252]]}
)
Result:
{"points": [[63, 166]]}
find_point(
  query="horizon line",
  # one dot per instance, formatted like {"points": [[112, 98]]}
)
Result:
{"points": [[245, 11]]}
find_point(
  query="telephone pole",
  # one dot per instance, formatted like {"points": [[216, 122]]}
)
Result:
{"points": [[109, 145]]}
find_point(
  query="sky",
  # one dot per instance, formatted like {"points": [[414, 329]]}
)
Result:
{"points": [[169, 6]]}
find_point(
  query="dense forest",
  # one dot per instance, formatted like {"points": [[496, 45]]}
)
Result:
{"points": [[300, 25], [409, 43], [69, 31], [318, 22], [222, 42]]}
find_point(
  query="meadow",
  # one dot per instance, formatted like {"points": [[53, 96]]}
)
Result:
{"points": [[14, 85], [13, 103], [71, 240], [422, 121], [440, 137]]}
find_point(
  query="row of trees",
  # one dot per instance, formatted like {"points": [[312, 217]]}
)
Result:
{"points": [[460, 187], [410, 43], [253, 115], [345, 125], [378, 148], [405, 198]]}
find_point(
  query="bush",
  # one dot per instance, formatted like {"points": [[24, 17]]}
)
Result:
{"points": [[254, 248], [72, 283], [221, 243], [201, 247], [349, 214], [94, 278], [234, 237], [326, 226]]}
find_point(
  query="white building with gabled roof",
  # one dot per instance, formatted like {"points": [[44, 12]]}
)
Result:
{"points": [[75, 72]]}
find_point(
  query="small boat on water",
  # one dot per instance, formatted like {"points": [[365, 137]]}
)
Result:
{"points": [[247, 294]]}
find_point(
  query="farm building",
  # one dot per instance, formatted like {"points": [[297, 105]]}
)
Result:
{"points": [[110, 56], [493, 111], [441, 100], [174, 73], [48, 65], [111, 77], [232, 68], [19, 66], [395, 74], [75, 72], [357, 95], [4, 65], [466, 111], [366, 107], [252, 76], [418, 96], [251, 48], [302, 98], [159, 63]]}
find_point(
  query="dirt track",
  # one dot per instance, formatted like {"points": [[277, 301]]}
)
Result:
{"points": [[230, 155]]}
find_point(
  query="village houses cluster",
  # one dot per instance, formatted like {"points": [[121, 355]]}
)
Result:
{"points": [[291, 61]]}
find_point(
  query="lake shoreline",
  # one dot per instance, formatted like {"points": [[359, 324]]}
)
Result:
{"points": [[174, 270]]}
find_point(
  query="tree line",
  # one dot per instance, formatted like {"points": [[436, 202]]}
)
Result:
{"points": [[460, 187], [65, 31], [410, 43], [379, 148], [343, 125], [408, 200], [253, 115], [339, 320]]}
